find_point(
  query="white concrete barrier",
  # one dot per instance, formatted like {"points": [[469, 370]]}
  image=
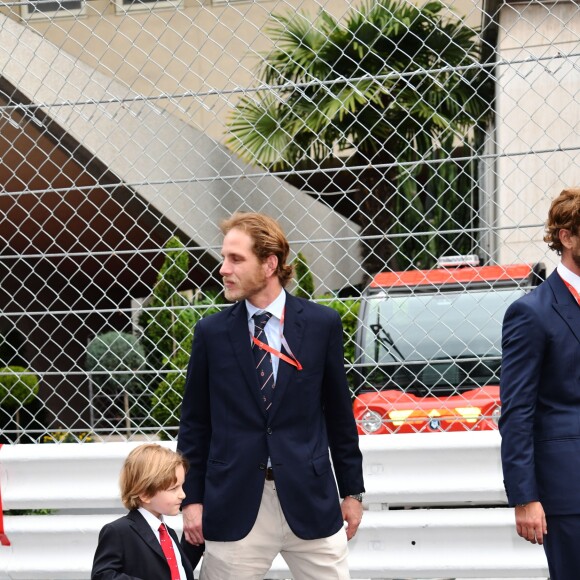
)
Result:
{"points": [[427, 481], [430, 469]]}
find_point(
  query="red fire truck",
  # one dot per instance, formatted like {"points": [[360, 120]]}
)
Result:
{"points": [[429, 346]]}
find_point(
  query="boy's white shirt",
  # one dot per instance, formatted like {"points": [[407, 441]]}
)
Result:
{"points": [[155, 522]]}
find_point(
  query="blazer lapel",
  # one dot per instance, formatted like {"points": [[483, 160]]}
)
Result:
{"points": [[565, 305], [293, 333], [184, 559], [241, 345], [144, 530]]}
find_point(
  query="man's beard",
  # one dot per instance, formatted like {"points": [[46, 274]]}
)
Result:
{"points": [[251, 288]]}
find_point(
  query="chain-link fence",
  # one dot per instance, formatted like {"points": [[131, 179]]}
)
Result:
{"points": [[382, 134]]}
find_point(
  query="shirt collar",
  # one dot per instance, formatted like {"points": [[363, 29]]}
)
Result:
{"points": [[152, 520], [569, 276], [275, 308]]}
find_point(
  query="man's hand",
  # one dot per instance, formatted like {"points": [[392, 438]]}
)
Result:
{"points": [[352, 512], [192, 523], [531, 522]]}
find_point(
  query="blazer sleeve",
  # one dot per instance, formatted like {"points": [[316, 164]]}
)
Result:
{"points": [[341, 427], [195, 422], [108, 562], [523, 346]]}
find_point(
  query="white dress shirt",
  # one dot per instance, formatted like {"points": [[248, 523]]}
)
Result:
{"points": [[273, 328], [155, 522], [569, 276]]}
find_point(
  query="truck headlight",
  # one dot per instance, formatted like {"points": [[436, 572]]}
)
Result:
{"points": [[371, 421], [495, 415]]}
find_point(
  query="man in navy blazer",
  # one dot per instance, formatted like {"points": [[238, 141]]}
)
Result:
{"points": [[540, 394], [265, 476]]}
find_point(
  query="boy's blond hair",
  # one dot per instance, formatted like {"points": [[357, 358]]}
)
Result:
{"points": [[148, 469]]}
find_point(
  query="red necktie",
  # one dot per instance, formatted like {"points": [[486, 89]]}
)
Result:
{"points": [[167, 547]]}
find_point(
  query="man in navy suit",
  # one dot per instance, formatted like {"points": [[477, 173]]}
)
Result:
{"points": [[540, 394], [269, 461]]}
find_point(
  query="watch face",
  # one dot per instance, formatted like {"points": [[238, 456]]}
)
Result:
{"points": [[357, 496]]}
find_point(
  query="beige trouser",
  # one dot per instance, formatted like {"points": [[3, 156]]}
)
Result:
{"points": [[251, 557]]}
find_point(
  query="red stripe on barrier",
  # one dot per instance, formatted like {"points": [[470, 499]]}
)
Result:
{"points": [[4, 541]]}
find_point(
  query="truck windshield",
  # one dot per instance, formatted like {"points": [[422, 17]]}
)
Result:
{"points": [[435, 342]]}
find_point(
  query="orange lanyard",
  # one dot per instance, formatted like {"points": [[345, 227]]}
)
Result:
{"points": [[292, 360], [573, 291]]}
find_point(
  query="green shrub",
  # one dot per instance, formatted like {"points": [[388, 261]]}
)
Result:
{"points": [[166, 403], [168, 394], [112, 359], [304, 278], [18, 386], [167, 320], [348, 309], [112, 352]]}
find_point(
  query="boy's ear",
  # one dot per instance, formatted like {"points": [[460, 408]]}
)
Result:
{"points": [[144, 499]]}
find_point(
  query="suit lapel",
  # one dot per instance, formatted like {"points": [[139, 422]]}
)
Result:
{"points": [[293, 333], [184, 558], [565, 305], [144, 530], [241, 345]]}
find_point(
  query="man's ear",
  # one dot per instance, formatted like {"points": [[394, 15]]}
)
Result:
{"points": [[565, 238], [271, 264]]}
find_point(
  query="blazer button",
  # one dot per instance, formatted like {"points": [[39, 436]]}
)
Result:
{"points": [[262, 466], [269, 430]]}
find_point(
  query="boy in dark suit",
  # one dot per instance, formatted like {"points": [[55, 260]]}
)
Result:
{"points": [[139, 546]]}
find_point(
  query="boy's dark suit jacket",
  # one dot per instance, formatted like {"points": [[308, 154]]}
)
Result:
{"points": [[129, 550]]}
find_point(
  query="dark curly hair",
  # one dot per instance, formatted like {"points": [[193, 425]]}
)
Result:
{"points": [[564, 214]]}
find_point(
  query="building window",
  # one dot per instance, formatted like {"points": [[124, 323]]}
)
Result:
{"points": [[52, 8], [143, 5]]}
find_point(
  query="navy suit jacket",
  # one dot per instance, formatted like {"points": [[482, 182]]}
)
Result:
{"points": [[129, 550], [540, 394], [227, 436]]}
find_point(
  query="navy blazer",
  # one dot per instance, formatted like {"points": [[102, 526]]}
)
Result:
{"points": [[227, 436], [129, 550], [540, 395]]}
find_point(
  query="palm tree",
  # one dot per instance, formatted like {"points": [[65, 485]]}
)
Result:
{"points": [[392, 84]]}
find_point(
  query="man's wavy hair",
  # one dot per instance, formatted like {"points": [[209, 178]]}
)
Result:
{"points": [[564, 214], [268, 238]]}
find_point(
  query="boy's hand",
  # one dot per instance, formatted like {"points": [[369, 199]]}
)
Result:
{"points": [[192, 523]]}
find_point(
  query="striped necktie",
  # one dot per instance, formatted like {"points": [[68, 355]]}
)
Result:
{"points": [[263, 359]]}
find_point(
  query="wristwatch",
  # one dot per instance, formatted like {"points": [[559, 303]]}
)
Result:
{"points": [[357, 496]]}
